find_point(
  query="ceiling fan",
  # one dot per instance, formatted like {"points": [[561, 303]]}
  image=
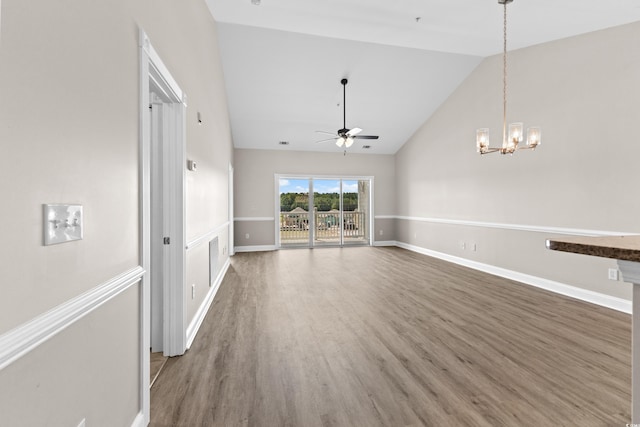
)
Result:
{"points": [[345, 137]]}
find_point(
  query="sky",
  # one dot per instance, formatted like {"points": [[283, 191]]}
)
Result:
{"points": [[319, 186]]}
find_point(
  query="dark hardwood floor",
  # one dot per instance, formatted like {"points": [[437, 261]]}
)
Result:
{"points": [[387, 337]]}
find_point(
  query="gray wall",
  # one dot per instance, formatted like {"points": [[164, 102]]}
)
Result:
{"points": [[583, 92], [255, 191], [69, 108]]}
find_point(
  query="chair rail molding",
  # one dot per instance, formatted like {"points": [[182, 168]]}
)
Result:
{"points": [[19, 341], [206, 236], [385, 217], [516, 227], [256, 219]]}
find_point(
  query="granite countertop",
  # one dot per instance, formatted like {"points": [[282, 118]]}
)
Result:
{"points": [[626, 248]]}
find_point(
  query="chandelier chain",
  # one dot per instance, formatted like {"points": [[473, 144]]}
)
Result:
{"points": [[504, 76]]}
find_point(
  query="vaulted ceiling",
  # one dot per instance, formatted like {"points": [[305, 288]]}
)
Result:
{"points": [[283, 60]]}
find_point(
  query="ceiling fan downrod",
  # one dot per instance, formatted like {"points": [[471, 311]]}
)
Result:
{"points": [[344, 106]]}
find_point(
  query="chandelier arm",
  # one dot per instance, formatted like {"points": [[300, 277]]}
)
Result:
{"points": [[490, 150]]}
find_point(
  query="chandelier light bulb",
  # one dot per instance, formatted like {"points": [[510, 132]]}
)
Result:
{"points": [[482, 140], [515, 136], [533, 137]]}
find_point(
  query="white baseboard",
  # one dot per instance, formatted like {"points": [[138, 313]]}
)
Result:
{"points": [[614, 303], [385, 243], [138, 421], [603, 300], [194, 326], [256, 248]]}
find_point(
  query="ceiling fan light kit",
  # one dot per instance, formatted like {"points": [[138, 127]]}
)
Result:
{"points": [[345, 137], [512, 138]]}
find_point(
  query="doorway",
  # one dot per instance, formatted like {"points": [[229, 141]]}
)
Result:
{"points": [[167, 227], [162, 214], [324, 211]]}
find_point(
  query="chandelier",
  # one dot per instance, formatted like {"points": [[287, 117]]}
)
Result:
{"points": [[514, 136]]}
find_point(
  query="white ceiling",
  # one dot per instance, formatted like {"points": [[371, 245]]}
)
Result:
{"points": [[283, 60]]}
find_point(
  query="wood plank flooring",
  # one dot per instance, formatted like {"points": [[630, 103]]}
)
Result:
{"points": [[386, 337]]}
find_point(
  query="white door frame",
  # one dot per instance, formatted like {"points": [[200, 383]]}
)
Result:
{"points": [[232, 249], [153, 73]]}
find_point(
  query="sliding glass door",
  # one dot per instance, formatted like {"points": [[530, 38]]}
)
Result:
{"points": [[327, 212], [294, 212], [356, 212], [318, 211]]}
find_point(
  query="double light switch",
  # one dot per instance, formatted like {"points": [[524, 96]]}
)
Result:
{"points": [[62, 223]]}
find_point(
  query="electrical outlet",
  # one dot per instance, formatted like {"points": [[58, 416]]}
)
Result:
{"points": [[381, 232], [246, 236], [463, 245], [193, 291], [613, 274]]}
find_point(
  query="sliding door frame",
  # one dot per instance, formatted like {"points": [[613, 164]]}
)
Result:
{"points": [[310, 178]]}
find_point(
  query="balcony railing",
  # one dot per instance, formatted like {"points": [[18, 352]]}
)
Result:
{"points": [[294, 227]]}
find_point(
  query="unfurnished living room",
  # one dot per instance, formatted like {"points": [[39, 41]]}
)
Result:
{"points": [[337, 213]]}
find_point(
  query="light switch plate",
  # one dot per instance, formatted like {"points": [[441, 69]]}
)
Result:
{"points": [[62, 223]]}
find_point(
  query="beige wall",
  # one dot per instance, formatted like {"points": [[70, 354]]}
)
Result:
{"points": [[583, 92], [69, 107], [86, 372], [255, 193], [69, 132]]}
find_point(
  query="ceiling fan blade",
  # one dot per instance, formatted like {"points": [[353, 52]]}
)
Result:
{"points": [[325, 140], [366, 136], [328, 133], [354, 132]]}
